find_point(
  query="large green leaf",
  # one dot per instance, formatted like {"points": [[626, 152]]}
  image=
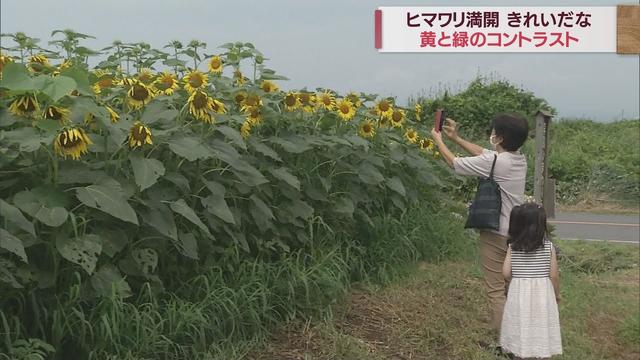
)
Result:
{"points": [[108, 281], [189, 148], [158, 111], [216, 205], [183, 209], [107, 196], [295, 145], [45, 203], [15, 77], [81, 78], [260, 212], [284, 175], [300, 209], [12, 244], [233, 135], [158, 216], [243, 170], [145, 171], [83, 250], [58, 87], [369, 174], [265, 150], [396, 185], [187, 245], [13, 215], [344, 205], [27, 139]]}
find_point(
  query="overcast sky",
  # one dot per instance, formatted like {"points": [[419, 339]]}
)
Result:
{"points": [[329, 43]]}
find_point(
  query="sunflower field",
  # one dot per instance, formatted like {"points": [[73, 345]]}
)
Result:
{"points": [[155, 177]]}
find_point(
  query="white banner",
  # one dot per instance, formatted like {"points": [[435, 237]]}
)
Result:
{"points": [[496, 29]]}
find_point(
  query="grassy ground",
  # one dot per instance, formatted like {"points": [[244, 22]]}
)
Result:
{"points": [[437, 311]]}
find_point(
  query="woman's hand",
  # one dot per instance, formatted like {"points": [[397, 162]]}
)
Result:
{"points": [[451, 129], [436, 135]]}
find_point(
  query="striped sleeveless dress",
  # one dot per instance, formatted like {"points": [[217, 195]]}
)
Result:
{"points": [[531, 323]]}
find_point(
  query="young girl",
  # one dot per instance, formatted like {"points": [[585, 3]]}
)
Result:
{"points": [[530, 323]]}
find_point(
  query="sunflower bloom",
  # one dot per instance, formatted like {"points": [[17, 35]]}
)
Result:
{"points": [[139, 95], [239, 97], [25, 105], [254, 116], [166, 83], [245, 129], [355, 99], [327, 100], [367, 129], [4, 60], [200, 105], [251, 101], [383, 123], [291, 101], [218, 107], [238, 78], [411, 135], [345, 109], [426, 144], [145, 76], [308, 102], [215, 65], [418, 109], [139, 135], [195, 80], [268, 87], [397, 117], [113, 115], [384, 108], [38, 62], [57, 113], [71, 142]]}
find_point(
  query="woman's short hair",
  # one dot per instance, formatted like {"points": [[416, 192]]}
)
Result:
{"points": [[513, 128]]}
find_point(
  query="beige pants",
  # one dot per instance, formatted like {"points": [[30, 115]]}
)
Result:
{"points": [[493, 250]]}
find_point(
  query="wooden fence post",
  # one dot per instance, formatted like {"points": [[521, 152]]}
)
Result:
{"points": [[541, 174]]}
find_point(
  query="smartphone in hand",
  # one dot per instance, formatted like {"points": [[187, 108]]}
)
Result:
{"points": [[441, 116]]}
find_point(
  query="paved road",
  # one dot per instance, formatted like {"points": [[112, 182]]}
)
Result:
{"points": [[585, 226]]}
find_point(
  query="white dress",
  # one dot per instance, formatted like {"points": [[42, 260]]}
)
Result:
{"points": [[530, 323]]}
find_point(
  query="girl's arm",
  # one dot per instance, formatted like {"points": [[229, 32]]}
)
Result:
{"points": [[555, 274], [506, 266]]}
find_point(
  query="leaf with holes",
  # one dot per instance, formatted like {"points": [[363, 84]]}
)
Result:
{"points": [[83, 250]]}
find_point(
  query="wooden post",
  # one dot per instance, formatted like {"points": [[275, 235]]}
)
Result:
{"points": [[550, 198], [541, 174]]}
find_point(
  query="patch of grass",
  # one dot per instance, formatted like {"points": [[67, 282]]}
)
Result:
{"points": [[596, 257]]}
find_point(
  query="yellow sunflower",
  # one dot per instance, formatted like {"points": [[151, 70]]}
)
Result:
{"points": [[251, 101], [426, 144], [200, 105], [239, 97], [239, 78], [308, 101], [38, 62], [195, 80], [113, 115], [139, 135], [215, 65], [57, 113], [245, 129], [367, 129], [4, 60], [254, 116], [291, 101], [65, 64], [268, 87], [71, 142], [90, 121], [345, 109], [411, 135], [327, 100], [397, 117], [218, 107], [384, 108], [418, 109], [355, 99], [25, 105], [166, 83], [139, 95], [145, 76]]}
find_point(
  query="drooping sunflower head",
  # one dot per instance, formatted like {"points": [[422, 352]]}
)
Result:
{"points": [[218, 107], [238, 78], [25, 105], [245, 129], [355, 99], [239, 97], [397, 117], [195, 80], [200, 105], [215, 64], [65, 64], [418, 109], [38, 62], [71, 142], [57, 113], [166, 83], [384, 108], [4, 60], [291, 101], [139, 135], [268, 87], [345, 109], [139, 95], [411, 135], [308, 101], [367, 129], [326, 99], [426, 144], [254, 116], [251, 101], [145, 76], [113, 115]]}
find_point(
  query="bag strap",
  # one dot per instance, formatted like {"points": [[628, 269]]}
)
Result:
{"points": [[495, 157]]}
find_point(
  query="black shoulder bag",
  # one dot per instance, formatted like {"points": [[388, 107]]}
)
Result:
{"points": [[484, 212]]}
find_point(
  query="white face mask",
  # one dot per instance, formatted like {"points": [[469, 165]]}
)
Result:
{"points": [[493, 145]]}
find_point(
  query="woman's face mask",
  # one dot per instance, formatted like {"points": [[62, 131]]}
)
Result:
{"points": [[492, 141]]}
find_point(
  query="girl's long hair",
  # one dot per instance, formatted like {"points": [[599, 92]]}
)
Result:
{"points": [[527, 227]]}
